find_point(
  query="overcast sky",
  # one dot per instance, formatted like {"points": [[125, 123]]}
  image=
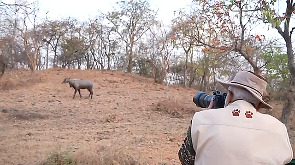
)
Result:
{"points": [[85, 9]]}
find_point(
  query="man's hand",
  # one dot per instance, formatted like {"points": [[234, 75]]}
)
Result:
{"points": [[210, 105]]}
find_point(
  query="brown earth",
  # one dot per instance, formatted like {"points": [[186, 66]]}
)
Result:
{"points": [[130, 119]]}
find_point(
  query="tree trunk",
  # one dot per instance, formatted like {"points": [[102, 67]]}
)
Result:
{"points": [[130, 61], [47, 50], [257, 70], [109, 61], [187, 51], [164, 67], [205, 76], [130, 64], [191, 70], [185, 70], [33, 60], [130, 57], [205, 80], [2, 68], [289, 107]]}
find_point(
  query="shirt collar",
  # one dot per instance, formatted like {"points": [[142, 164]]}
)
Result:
{"points": [[242, 103]]}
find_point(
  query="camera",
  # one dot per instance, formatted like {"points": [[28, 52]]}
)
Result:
{"points": [[202, 99]]}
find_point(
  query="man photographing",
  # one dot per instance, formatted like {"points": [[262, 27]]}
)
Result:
{"points": [[237, 133]]}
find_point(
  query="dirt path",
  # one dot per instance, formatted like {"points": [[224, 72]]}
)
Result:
{"points": [[130, 120]]}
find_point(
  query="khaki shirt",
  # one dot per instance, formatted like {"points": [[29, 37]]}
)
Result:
{"points": [[239, 135]]}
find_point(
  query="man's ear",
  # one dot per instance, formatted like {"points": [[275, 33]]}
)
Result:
{"points": [[258, 106], [230, 96]]}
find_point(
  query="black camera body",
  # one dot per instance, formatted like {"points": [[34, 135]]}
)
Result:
{"points": [[202, 99]]}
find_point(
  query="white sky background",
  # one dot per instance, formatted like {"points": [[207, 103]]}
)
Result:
{"points": [[85, 9]]}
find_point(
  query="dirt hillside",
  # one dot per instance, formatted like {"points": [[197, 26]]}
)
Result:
{"points": [[130, 119]]}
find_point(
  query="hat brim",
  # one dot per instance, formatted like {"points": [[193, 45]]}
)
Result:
{"points": [[264, 104]]}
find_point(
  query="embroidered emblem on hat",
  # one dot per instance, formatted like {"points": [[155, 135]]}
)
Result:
{"points": [[236, 112], [248, 114]]}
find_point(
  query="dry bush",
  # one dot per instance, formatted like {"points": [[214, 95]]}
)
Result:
{"points": [[172, 107], [16, 79], [105, 156], [24, 115], [112, 118], [59, 159]]}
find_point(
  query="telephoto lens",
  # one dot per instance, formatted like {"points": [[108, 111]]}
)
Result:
{"points": [[202, 99]]}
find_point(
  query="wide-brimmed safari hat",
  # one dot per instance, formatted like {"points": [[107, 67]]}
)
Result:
{"points": [[256, 85]]}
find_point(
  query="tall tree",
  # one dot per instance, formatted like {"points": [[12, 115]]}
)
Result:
{"points": [[131, 22], [184, 37], [54, 32], [31, 37], [164, 48], [203, 29], [10, 47], [155, 53], [230, 25], [282, 24]]}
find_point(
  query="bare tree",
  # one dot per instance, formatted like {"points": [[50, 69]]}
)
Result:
{"points": [[132, 21], [184, 37], [10, 46], [286, 32], [160, 50], [219, 18], [31, 37]]}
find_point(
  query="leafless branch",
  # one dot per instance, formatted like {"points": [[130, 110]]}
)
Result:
{"points": [[291, 31]]}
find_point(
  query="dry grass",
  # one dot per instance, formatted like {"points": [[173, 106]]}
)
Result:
{"points": [[59, 159], [16, 79], [40, 120], [172, 107], [106, 156], [130, 120]]}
